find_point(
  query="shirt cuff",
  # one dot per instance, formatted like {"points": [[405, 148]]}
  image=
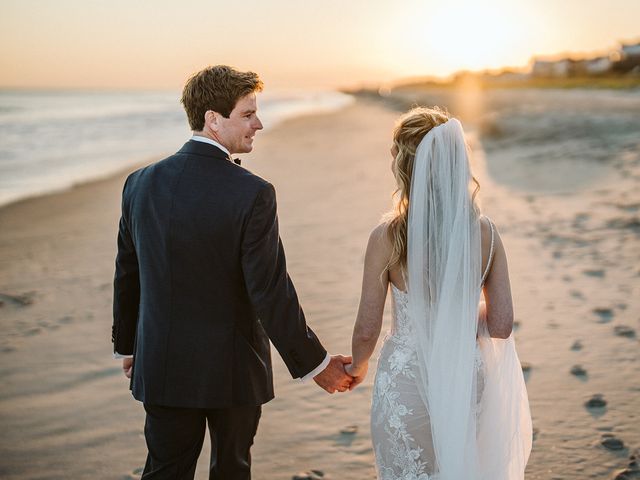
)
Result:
{"points": [[117, 355], [317, 370]]}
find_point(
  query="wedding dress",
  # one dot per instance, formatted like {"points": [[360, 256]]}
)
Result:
{"points": [[449, 402]]}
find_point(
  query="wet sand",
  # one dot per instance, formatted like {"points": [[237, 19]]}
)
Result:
{"points": [[573, 252]]}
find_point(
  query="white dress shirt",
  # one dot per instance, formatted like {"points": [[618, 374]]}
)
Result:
{"points": [[327, 358], [208, 140]]}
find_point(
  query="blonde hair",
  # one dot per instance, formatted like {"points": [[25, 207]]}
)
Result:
{"points": [[410, 129]]}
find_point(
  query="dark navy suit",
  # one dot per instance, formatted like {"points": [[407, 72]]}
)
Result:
{"points": [[200, 287]]}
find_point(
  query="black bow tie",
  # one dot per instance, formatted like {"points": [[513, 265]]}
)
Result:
{"points": [[237, 161]]}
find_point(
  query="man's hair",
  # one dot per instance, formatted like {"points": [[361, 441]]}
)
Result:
{"points": [[216, 88]]}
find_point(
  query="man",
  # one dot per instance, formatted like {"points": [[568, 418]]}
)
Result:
{"points": [[201, 286]]}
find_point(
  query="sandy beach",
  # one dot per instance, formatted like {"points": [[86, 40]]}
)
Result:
{"points": [[571, 227]]}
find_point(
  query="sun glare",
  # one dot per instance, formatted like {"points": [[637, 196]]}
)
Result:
{"points": [[472, 36]]}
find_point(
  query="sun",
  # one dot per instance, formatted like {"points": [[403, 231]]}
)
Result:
{"points": [[466, 35]]}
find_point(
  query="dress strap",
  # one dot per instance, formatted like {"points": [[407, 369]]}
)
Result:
{"points": [[490, 261]]}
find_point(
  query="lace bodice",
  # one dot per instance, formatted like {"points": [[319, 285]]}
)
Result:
{"points": [[401, 329]]}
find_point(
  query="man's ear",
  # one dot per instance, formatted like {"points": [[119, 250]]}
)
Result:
{"points": [[212, 120]]}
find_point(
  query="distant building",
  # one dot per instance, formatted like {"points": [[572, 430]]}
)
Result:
{"points": [[551, 68], [628, 59], [632, 50], [624, 60], [596, 66]]}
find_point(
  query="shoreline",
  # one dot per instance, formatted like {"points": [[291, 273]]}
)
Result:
{"points": [[299, 112], [106, 178], [66, 407]]}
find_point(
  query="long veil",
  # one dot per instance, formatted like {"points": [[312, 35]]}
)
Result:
{"points": [[444, 285]]}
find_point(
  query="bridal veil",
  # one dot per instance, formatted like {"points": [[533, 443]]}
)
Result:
{"points": [[481, 431]]}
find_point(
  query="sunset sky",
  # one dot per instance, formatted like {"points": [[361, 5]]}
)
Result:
{"points": [[157, 44]]}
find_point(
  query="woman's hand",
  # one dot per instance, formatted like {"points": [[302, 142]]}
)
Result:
{"points": [[358, 372]]}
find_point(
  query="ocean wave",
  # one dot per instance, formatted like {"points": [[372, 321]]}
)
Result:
{"points": [[51, 141]]}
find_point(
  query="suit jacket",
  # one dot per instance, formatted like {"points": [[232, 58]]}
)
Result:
{"points": [[201, 285]]}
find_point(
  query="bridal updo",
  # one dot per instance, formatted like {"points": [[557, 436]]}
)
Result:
{"points": [[409, 131]]}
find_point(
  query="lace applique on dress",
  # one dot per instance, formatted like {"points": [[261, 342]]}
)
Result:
{"points": [[399, 455], [400, 428]]}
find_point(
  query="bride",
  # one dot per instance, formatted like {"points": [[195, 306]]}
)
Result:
{"points": [[449, 399]]}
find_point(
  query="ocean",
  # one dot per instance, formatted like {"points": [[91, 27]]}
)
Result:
{"points": [[52, 140]]}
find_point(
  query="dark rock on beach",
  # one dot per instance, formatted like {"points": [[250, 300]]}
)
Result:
{"points": [[577, 345]]}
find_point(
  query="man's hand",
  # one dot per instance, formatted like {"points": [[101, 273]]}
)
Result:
{"points": [[357, 372], [127, 366], [334, 377]]}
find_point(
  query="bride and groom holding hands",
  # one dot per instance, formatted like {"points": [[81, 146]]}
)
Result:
{"points": [[201, 287]]}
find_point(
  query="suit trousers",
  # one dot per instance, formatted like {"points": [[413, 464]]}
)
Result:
{"points": [[175, 436]]}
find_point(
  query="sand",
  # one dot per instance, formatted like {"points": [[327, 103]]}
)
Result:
{"points": [[573, 252]]}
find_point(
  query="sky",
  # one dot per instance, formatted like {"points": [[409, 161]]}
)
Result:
{"points": [[142, 44]]}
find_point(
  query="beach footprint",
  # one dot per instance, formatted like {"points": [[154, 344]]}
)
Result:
{"points": [[605, 314], [347, 435], [624, 331], [596, 405], [611, 442], [598, 273], [65, 320], [22, 300], [579, 372]]}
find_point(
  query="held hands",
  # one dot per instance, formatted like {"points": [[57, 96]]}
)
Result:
{"points": [[358, 372], [334, 378]]}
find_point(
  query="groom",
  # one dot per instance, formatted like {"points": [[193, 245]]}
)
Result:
{"points": [[201, 286]]}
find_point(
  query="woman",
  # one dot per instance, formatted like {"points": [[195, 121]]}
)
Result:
{"points": [[449, 400]]}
